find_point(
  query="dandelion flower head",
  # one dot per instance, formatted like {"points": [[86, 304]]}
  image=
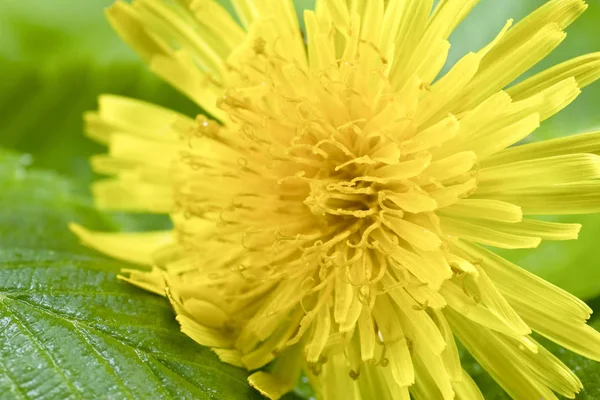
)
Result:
{"points": [[335, 202]]}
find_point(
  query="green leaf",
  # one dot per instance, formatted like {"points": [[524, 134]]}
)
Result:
{"points": [[69, 327]]}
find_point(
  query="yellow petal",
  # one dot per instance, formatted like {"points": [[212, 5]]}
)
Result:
{"points": [[485, 235], [501, 360], [541, 172], [574, 144], [136, 248], [466, 388], [484, 209], [585, 70]]}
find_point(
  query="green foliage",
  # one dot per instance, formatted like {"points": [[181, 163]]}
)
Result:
{"points": [[42, 108], [36, 207], [70, 328]]}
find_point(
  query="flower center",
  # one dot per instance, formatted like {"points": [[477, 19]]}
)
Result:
{"points": [[320, 169]]}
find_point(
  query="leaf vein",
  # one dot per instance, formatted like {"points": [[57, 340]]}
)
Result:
{"points": [[15, 388], [102, 359], [44, 350]]}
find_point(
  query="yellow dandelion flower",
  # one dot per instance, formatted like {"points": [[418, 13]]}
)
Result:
{"points": [[330, 207]]}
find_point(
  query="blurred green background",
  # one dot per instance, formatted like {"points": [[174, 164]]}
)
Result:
{"points": [[57, 56]]}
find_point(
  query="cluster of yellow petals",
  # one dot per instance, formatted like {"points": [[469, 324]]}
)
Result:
{"points": [[329, 209]]}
